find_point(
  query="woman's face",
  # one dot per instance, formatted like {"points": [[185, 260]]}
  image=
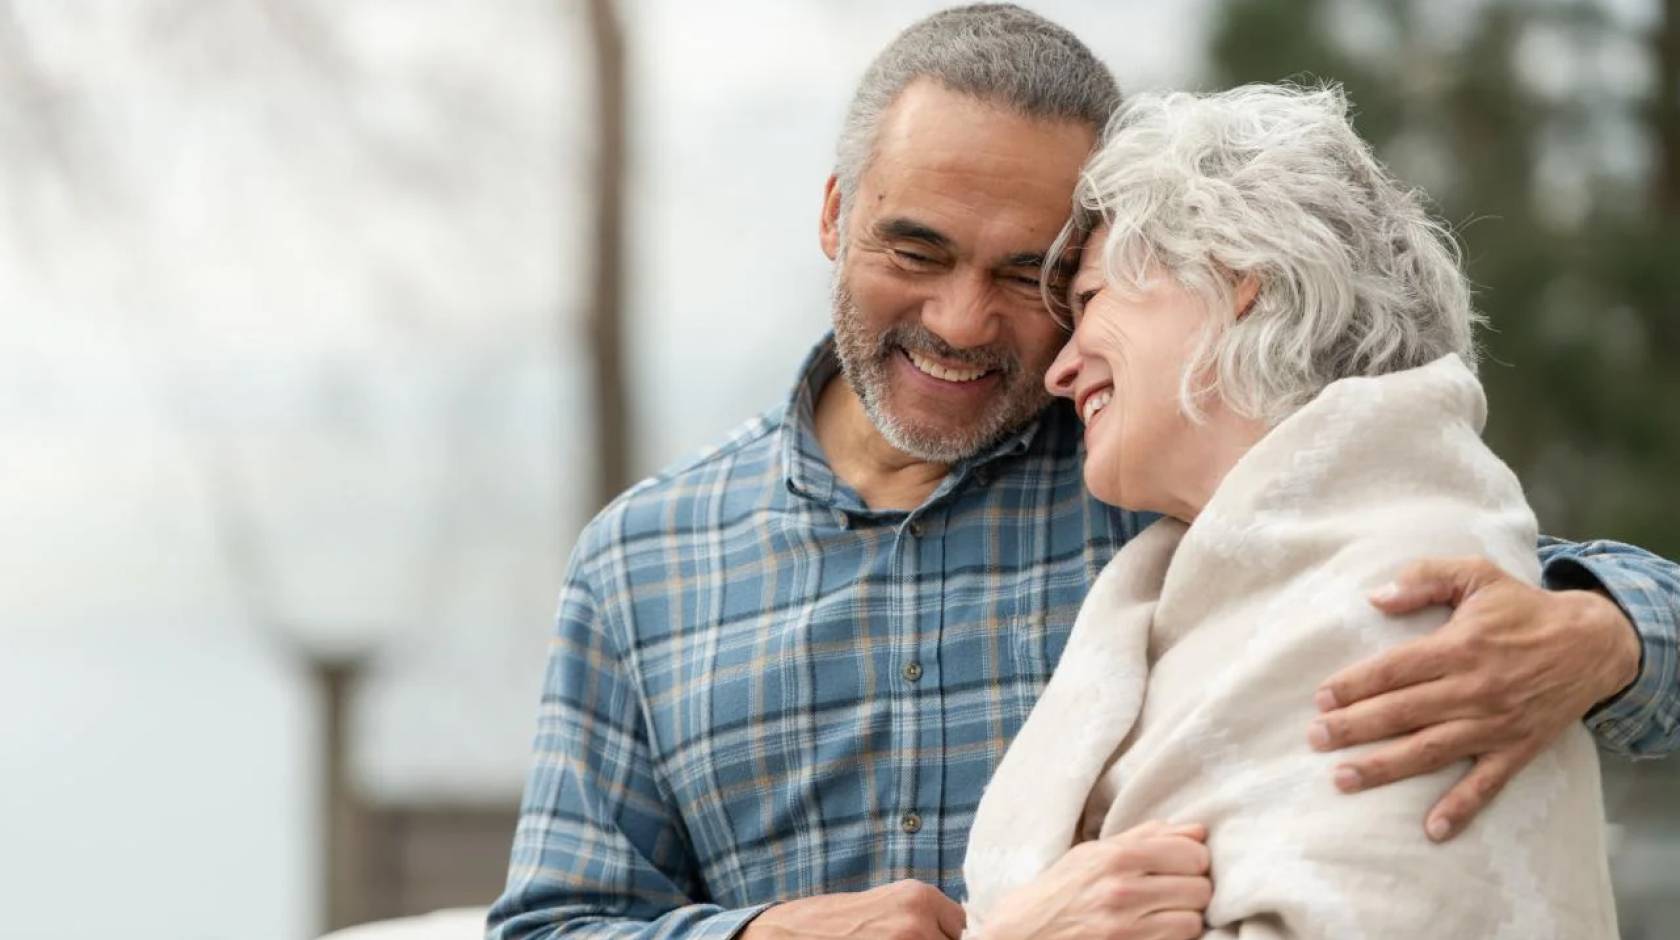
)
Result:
{"points": [[1121, 368]]}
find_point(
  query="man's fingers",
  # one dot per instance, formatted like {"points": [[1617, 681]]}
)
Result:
{"points": [[1421, 752], [1389, 714], [951, 917], [1431, 581], [1472, 794], [1414, 661]]}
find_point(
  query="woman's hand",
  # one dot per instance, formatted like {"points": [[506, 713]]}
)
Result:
{"points": [[1147, 883]]}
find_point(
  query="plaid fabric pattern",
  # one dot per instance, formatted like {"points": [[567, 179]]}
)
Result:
{"points": [[1644, 720], [759, 689]]}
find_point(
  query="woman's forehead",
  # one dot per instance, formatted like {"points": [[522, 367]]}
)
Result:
{"points": [[1090, 252]]}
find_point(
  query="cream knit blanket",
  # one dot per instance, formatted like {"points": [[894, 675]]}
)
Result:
{"points": [[1186, 689]]}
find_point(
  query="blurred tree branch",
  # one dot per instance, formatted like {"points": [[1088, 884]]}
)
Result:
{"points": [[1665, 108]]}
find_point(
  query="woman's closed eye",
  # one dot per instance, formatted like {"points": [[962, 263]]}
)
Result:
{"points": [[1082, 299]]}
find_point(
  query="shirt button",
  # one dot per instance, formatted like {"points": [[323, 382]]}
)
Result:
{"points": [[911, 823], [916, 530], [845, 520], [912, 672]]}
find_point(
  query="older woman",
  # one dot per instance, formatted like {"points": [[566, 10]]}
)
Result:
{"points": [[1272, 347]]}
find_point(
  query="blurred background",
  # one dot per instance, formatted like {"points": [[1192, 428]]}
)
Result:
{"points": [[325, 324]]}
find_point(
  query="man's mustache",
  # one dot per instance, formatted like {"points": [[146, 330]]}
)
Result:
{"points": [[921, 340]]}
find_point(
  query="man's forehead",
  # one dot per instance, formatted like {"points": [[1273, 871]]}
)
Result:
{"points": [[971, 176], [939, 125]]}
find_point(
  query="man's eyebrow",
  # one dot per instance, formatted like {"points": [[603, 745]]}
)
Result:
{"points": [[1024, 259], [912, 230]]}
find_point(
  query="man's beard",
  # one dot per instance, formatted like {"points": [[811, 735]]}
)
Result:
{"points": [[866, 361]]}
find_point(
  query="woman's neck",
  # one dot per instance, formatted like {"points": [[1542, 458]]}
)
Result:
{"points": [[1190, 474]]}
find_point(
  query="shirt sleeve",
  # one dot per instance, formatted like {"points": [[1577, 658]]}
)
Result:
{"points": [[1644, 719], [599, 852]]}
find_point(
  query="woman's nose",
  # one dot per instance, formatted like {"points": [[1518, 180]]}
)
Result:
{"points": [[1064, 372]]}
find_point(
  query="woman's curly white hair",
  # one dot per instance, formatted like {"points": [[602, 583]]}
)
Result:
{"points": [[1269, 181]]}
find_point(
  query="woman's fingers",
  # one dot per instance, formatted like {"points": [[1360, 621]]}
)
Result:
{"points": [[1155, 893], [1162, 851], [1171, 925]]}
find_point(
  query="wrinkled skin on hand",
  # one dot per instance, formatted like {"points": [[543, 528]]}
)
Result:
{"points": [[1147, 883], [903, 910]]}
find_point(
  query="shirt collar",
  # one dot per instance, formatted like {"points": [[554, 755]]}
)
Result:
{"points": [[805, 468]]}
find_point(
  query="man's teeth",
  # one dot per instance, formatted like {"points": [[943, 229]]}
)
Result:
{"points": [[1096, 403], [941, 372]]}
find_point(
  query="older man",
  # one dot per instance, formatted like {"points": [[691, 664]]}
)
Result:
{"points": [[784, 670]]}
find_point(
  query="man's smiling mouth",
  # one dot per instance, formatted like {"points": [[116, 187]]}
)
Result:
{"points": [[942, 372]]}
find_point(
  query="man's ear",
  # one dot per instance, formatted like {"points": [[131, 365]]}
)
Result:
{"points": [[1248, 290], [828, 228]]}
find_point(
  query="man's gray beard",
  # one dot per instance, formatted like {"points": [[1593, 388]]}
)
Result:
{"points": [[865, 361]]}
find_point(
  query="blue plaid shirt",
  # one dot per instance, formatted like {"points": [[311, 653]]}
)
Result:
{"points": [[760, 689]]}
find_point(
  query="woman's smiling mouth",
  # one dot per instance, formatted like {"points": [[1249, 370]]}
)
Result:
{"points": [[1095, 402]]}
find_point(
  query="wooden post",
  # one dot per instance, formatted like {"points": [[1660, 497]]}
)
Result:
{"points": [[344, 816], [605, 334]]}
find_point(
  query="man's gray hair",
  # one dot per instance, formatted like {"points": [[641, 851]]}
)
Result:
{"points": [[997, 52], [1355, 277]]}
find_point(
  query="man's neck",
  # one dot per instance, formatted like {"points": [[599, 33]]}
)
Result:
{"points": [[883, 476]]}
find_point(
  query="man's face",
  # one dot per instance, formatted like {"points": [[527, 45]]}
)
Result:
{"points": [[938, 320]]}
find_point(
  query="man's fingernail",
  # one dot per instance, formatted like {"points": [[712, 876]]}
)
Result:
{"points": [[1318, 735], [1346, 779], [1325, 700], [1386, 593], [1439, 828]]}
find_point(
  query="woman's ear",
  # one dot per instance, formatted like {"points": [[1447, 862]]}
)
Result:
{"points": [[828, 227], [1248, 291]]}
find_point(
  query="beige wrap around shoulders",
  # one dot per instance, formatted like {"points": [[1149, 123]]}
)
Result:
{"points": [[1186, 690]]}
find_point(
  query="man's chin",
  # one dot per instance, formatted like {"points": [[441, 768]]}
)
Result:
{"points": [[936, 441], [923, 429]]}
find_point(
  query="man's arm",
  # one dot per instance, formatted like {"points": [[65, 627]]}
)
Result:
{"points": [[1512, 668], [598, 851], [1643, 719]]}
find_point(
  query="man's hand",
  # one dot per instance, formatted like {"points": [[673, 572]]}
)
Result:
{"points": [[1498, 682], [1147, 883], [903, 910]]}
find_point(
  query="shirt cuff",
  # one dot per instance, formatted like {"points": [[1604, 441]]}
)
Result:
{"points": [[728, 925], [1620, 721]]}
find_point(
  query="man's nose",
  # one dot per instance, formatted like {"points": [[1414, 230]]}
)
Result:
{"points": [[1064, 372], [962, 313]]}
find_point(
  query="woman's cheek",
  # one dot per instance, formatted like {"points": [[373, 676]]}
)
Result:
{"points": [[1114, 448]]}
